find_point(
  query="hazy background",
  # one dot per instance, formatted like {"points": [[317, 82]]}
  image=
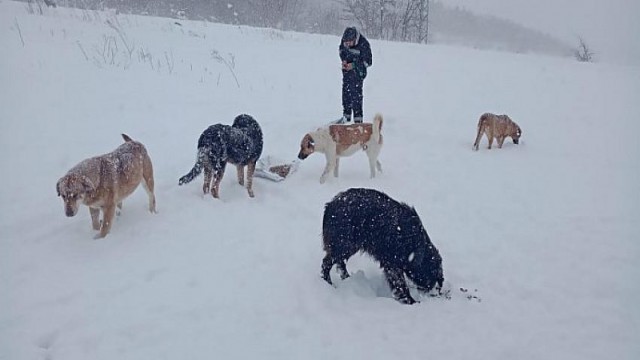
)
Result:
{"points": [[548, 27], [610, 27]]}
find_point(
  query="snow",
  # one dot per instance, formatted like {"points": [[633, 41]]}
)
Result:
{"points": [[544, 233]]}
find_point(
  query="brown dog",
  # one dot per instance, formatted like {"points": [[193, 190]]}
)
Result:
{"points": [[103, 182], [498, 127], [336, 141]]}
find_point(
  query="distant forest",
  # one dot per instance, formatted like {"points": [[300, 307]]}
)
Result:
{"points": [[420, 21]]}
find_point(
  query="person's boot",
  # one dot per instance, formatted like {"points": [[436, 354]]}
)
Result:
{"points": [[357, 120], [343, 120]]}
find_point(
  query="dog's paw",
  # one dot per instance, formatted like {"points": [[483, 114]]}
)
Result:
{"points": [[408, 300]]}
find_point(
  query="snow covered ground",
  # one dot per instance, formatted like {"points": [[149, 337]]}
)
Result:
{"points": [[544, 233]]}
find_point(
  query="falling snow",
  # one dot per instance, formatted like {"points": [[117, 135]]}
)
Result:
{"points": [[544, 233]]}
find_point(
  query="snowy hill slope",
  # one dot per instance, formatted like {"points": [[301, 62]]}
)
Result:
{"points": [[546, 231]]}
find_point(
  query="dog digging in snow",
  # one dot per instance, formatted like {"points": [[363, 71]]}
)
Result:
{"points": [[391, 232], [336, 141], [239, 144], [103, 182], [497, 127]]}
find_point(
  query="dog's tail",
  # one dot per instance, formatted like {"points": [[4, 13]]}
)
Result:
{"points": [[377, 128], [481, 123], [126, 138], [197, 168]]}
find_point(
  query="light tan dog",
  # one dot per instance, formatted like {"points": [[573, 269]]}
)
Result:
{"points": [[337, 141], [103, 182], [498, 127]]}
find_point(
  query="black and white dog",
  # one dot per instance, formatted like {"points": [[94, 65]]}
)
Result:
{"points": [[391, 232], [239, 144]]}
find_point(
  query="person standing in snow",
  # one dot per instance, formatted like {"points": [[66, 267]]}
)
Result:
{"points": [[355, 54]]}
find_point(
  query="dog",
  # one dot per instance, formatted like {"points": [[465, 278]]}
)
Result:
{"points": [[239, 144], [337, 141], [103, 182], [391, 232], [498, 127]]}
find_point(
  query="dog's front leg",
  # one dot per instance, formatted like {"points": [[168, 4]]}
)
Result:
{"points": [[331, 164], [399, 288], [95, 218], [342, 267], [500, 141], [251, 169], [108, 211], [148, 183], [327, 264], [152, 202], [240, 169], [335, 169]]}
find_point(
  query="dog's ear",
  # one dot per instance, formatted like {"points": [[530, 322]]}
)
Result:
{"points": [[58, 187], [309, 141], [87, 185]]}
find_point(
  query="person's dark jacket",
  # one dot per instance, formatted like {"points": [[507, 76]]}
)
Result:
{"points": [[359, 55]]}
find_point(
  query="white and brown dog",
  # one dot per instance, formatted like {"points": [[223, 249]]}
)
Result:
{"points": [[103, 182], [337, 141]]}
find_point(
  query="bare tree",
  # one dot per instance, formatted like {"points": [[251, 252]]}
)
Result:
{"points": [[377, 18], [422, 18], [583, 53], [414, 20], [384, 8], [362, 12], [405, 20]]}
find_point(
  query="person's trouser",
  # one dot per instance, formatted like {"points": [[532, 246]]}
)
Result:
{"points": [[351, 95]]}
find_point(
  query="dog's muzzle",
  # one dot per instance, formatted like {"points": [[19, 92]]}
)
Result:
{"points": [[70, 211], [516, 141], [302, 155]]}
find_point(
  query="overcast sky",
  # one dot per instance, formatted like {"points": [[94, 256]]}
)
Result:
{"points": [[610, 27]]}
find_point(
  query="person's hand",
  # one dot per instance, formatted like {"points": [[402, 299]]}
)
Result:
{"points": [[347, 66]]}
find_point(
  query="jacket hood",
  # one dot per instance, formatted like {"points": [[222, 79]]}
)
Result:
{"points": [[351, 33]]}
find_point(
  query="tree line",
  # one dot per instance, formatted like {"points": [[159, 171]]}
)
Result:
{"points": [[419, 21], [399, 20]]}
